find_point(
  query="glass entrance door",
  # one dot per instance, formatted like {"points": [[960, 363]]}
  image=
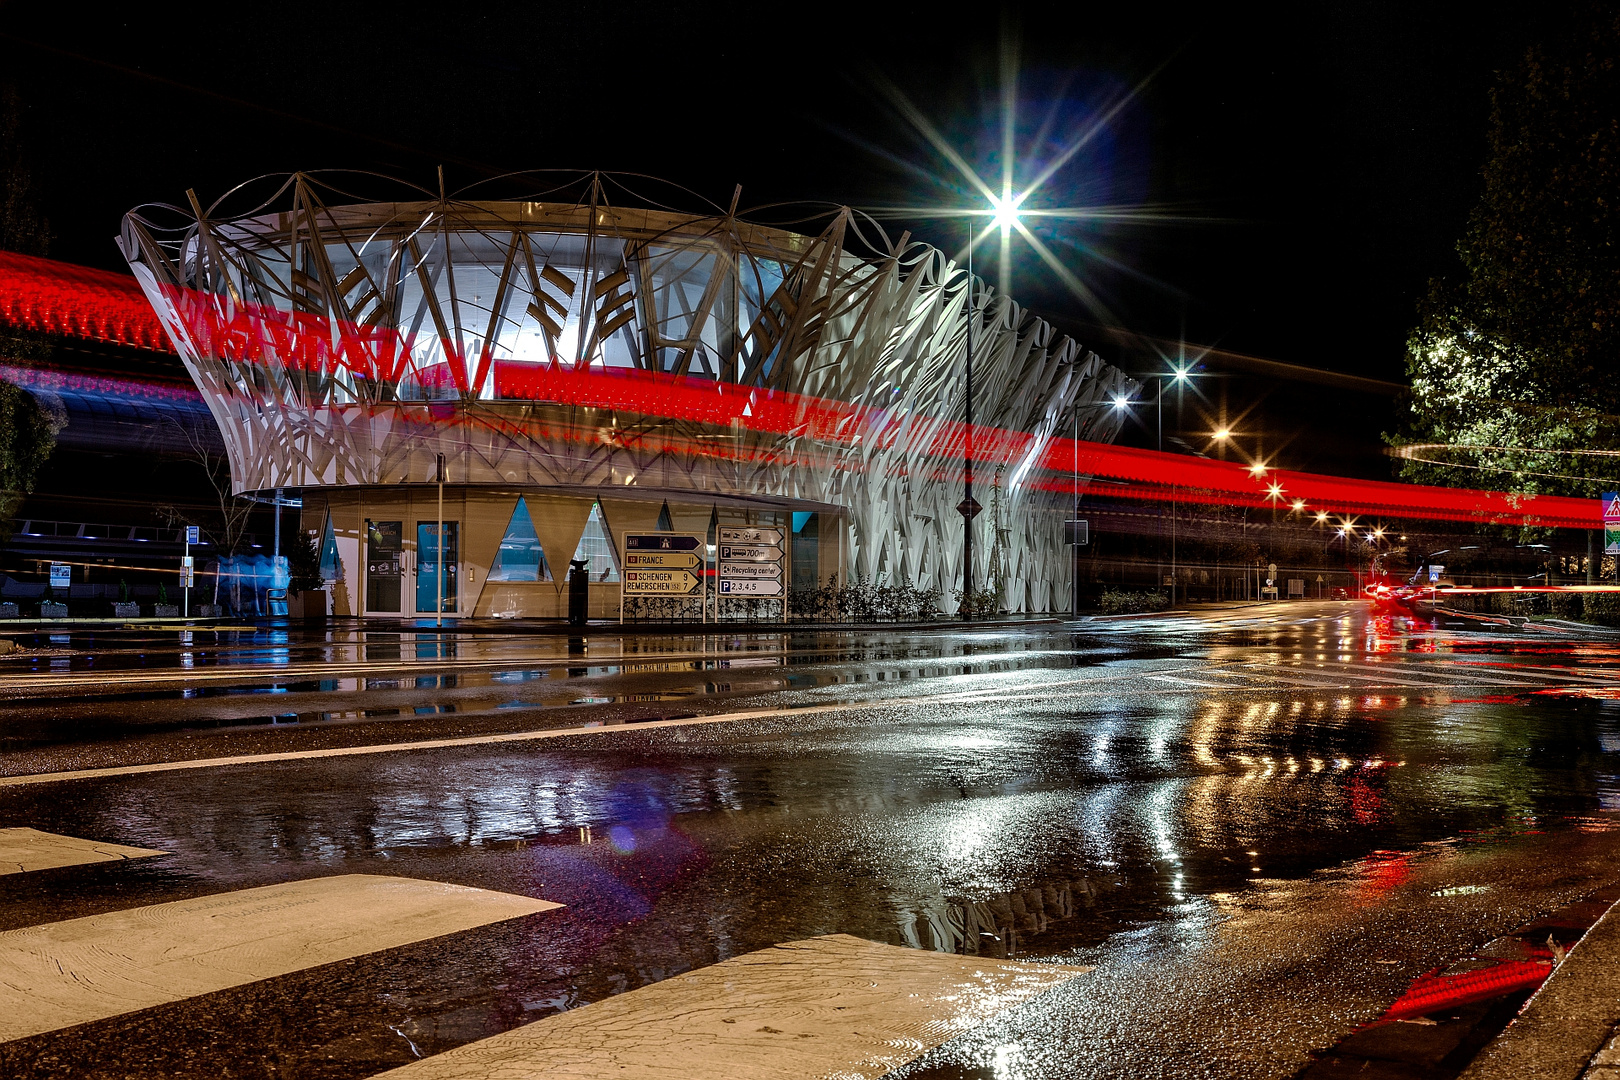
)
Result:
{"points": [[385, 557], [431, 595]]}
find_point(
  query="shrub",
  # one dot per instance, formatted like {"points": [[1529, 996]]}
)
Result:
{"points": [[1602, 608], [859, 600], [1115, 602]]}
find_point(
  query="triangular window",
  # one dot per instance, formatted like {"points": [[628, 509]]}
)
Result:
{"points": [[665, 522], [331, 565], [596, 549], [520, 557]]}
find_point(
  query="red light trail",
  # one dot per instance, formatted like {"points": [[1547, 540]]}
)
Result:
{"points": [[73, 301]]}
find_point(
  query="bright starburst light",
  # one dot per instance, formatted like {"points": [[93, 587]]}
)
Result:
{"points": [[1021, 197], [1004, 215]]}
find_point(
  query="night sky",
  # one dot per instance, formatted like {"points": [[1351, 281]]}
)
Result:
{"points": [[1312, 165]]}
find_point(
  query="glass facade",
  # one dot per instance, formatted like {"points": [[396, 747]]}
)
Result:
{"points": [[520, 557], [596, 548]]}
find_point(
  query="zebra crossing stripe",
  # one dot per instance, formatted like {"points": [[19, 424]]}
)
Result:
{"points": [[834, 1006], [22, 850], [64, 973], [1186, 682]]}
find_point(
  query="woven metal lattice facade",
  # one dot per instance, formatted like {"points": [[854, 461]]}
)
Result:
{"points": [[580, 346]]}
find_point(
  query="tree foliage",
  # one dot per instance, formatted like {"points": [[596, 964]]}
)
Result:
{"points": [[303, 562], [27, 438], [1520, 352], [27, 432]]}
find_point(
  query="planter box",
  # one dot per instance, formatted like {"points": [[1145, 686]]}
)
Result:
{"points": [[215, 611], [8, 610], [49, 610], [172, 611], [132, 610]]}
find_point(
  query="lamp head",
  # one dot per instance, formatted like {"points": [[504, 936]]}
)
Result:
{"points": [[1004, 213]]}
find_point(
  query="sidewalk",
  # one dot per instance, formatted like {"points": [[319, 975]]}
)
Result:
{"points": [[1568, 1029]]}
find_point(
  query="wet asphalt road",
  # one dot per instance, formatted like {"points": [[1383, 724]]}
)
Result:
{"points": [[1259, 824]]}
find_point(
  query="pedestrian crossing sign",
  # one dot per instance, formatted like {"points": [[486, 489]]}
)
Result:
{"points": [[1611, 522]]}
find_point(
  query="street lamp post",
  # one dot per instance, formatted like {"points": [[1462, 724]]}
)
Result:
{"points": [[968, 507], [1158, 383]]}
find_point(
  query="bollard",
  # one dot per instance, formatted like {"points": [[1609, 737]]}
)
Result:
{"points": [[579, 592]]}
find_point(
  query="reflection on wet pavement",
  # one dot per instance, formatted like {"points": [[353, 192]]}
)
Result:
{"points": [[1254, 867]]}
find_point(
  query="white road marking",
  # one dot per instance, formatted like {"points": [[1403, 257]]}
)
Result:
{"points": [[65, 973], [22, 850], [834, 1006], [1066, 689], [251, 672], [1557, 676], [1186, 682], [26, 779]]}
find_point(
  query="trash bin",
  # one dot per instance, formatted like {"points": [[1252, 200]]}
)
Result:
{"points": [[579, 592]]}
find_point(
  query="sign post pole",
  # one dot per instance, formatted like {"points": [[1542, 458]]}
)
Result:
{"points": [[188, 568], [438, 553]]}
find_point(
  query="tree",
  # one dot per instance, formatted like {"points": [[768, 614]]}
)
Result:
{"points": [[23, 228], [1515, 360], [303, 562], [27, 432], [27, 437], [226, 522]]}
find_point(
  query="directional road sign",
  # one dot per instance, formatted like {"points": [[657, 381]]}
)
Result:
{"points": [[677, 560], [749, 553], [661, 542], [750, 569], [661, 582], [751, 587], [733, 534]]}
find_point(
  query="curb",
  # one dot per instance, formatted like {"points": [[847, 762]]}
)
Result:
{"points": [[1582, 627], [1566, 1023], [1447, 1017]]}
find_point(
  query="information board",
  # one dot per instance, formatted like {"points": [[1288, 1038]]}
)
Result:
{"points": [[750, 562], [61, 575], [662, 564]]}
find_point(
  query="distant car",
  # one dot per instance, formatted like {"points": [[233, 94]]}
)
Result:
{"points": [[1339, 593]]}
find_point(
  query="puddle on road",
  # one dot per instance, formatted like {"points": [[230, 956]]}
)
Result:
{"points": [[308, 703]]}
